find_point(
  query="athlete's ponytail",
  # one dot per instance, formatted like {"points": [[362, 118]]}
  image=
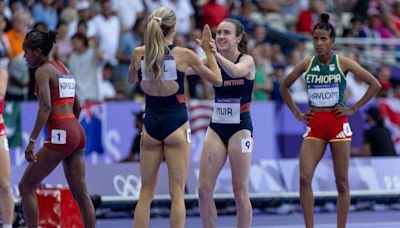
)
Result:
{"points": [[160, 24]]}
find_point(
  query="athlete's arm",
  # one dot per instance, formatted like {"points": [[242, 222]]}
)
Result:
{"points": [[3, 83], [133, 67], [43, 81], [77, 107], [288, 81], [243, 68], [190, 72], [212, 74], [348, 64]]}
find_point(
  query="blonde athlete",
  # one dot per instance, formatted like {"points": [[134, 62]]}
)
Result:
{"points": [[160, 68]]}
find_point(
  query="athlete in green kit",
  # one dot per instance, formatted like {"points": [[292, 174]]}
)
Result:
{"points": [[326, 117]]}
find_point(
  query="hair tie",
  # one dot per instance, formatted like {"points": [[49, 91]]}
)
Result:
{"points": [[158, 19]]}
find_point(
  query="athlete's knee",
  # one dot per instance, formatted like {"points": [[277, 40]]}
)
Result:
{"points": [[205, 190], [241, 193], [25, 187], [305, 180], [342, 186]]}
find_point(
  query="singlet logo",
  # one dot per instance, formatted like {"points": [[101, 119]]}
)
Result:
{"points": [[236, 82], [316, 68], [323, 79]]}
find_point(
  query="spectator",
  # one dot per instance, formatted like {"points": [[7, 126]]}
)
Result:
{"points": [[128, 11], [299, 88], [134, 155], [18, 83], [44, 11], [184, 15], [377, 138], [106, 28], [214, 13], [262, 82], [69, 13], [128, 41], [63, 47], [384, 76], [84, 14], [4, 44], [21, 22], [309, 17], [107, 89], [86, 63]]}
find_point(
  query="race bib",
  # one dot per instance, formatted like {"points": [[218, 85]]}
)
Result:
{"points": [[66, 85], [247, 145], [325, 95], [189, 135], [226, 111], [58, 136], [168, 69]]}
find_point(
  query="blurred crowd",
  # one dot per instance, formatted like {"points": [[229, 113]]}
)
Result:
{"points": [[96, 40]]}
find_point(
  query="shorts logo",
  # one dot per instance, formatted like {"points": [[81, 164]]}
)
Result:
{"points": [[346, 132], [307, 132]]}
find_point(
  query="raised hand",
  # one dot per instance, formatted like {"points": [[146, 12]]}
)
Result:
{"points": [[206, 38]]}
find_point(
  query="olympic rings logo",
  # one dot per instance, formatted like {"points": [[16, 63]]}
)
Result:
{"points": [[127, 186]]}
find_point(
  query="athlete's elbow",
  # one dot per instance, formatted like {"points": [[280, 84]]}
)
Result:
{"points": [[45, 107], [378, 86], [218, 82]]}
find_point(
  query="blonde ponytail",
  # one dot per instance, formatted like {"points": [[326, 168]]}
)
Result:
{"points": [[161, 21]]}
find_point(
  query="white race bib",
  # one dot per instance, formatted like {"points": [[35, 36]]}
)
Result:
{"points": [[66, 85], [323, 95], [58, 136], [247, 145], [168, 68], [226, 111]]}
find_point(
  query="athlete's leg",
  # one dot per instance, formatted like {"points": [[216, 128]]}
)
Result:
{"points": [[7, 199], [311, 152], [341, 156], [240, 160], [47, 160], [213, 158], [150, 159], [74, 169], [177, 155]]}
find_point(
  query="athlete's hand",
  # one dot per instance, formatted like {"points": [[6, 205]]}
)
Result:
{"points": [[342, 111], [29, 156], [304, 117], [213, 46], [206, 38]]}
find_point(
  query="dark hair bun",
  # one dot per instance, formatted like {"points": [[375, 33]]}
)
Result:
{"points": [[324, 18], [53, 36]]}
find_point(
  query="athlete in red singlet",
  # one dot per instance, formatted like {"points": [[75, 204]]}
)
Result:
{"points": [[6, 197], [59, 109]]}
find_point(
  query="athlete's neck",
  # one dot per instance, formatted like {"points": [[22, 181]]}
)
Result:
{"points": [[169, 40], [324, 59], [232, 55]]}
